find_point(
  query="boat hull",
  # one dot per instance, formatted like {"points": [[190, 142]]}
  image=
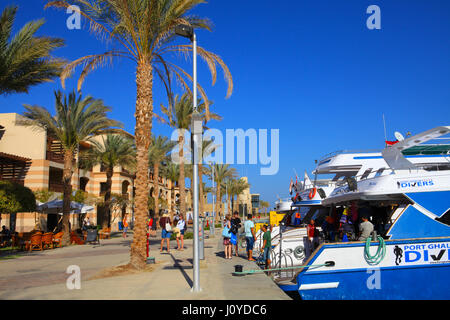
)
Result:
{"points": [[421, 271]]}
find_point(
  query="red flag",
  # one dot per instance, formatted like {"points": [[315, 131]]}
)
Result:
{"points": [[391, 143]]}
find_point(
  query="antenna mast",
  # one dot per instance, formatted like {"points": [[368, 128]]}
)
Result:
{"points": [[385, 135]]}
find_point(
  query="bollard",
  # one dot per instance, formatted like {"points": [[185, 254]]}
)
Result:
{"points": [[238, 268]]}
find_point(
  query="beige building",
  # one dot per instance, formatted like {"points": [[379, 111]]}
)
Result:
{"points": [[34, 158]]}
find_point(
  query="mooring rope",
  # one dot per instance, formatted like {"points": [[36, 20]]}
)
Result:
{"points": [[379, 255]]}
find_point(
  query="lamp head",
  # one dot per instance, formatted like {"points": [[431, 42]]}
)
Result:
{"points": [[184, 31]]}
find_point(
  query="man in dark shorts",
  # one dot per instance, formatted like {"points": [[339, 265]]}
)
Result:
{"points": [[267, 245], [235, 225]]}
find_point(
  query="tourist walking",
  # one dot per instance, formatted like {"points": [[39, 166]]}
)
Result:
{"points": [[235, 226], [226, 234], [125, 225], [166, 231], [250, 237]]}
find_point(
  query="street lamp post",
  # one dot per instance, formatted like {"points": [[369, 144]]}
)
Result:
{"points": [[196, 136]]}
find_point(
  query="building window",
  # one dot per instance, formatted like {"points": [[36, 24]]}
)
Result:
{"points": [[102, 188]]}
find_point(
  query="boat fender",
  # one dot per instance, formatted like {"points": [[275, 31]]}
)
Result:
{"points": [[312, 193], [299, 252]]}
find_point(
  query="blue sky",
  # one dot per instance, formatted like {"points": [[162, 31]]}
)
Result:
{"points": [[311, 69]]}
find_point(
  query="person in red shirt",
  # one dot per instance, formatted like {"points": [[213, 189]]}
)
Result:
{"points": [[312, 235]]}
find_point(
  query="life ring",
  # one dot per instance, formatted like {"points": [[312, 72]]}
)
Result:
{"points": [[312, 193]]}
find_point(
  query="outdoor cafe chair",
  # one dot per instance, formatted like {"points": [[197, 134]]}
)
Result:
{"points": [[47, 240], [36, 242], [57, 237], [105, 233]]}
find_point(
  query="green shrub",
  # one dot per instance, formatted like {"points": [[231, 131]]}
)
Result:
{"points": [[16, 198]]}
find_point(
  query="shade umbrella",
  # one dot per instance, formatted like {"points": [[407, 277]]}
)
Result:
{"points": [[56, 206]]}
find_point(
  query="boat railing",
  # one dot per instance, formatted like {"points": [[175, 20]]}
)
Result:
{"points": [[335, 153]]}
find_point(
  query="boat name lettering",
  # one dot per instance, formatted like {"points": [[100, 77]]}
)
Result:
{"points": [[423, 253], [415, 183]]}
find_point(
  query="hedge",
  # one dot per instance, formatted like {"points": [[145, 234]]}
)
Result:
{"points": [[16, 198]]}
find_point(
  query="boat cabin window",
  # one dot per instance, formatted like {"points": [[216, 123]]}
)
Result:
{"points": [[379, 172], [366, 173], [303, 215], [340, 226]]}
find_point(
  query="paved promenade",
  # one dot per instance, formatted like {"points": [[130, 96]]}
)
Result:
{"points": [[42, 275]]}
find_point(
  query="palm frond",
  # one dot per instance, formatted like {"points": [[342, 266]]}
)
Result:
{"points": [[25, 59]]}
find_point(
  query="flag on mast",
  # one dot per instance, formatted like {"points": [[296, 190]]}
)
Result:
{"points": [[290, 186], [307, 180]]}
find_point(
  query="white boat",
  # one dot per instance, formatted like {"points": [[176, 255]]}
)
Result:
{"points": [[408, 202]]}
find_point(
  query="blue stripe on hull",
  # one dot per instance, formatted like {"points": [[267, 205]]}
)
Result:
{"points": [[414, 224], [412, 283], [437, 202]]}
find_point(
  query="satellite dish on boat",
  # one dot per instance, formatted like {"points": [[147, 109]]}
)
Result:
{"points": [[399, 136]]}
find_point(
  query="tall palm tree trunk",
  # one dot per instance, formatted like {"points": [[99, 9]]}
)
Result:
{"points": [[67, 177], [156, 183], [144, 109], [181, 183], [107, 211]]}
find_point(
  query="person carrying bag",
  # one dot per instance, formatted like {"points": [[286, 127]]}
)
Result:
{"points": [[166, 231], [226, 234]]}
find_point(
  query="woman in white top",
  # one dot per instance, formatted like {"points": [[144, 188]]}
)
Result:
{"points": [[180, 235]]}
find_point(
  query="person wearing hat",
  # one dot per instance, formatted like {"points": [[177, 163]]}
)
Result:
{"points": [[166, 231]]}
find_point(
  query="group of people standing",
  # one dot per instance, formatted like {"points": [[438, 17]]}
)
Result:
{"points": [[230, 236], [179, 226]]}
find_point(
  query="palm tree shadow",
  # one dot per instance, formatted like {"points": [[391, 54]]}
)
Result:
{"points": [[183, 272]]}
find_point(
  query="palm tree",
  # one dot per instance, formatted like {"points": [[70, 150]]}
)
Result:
{"points": [[228, 185], [115, 150], [159, 154], [77, 119], [145, 30], [240, 185], [172, 172], [179, 116], [221, 173], [25, 58], [264, 205], [208, 147]]}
